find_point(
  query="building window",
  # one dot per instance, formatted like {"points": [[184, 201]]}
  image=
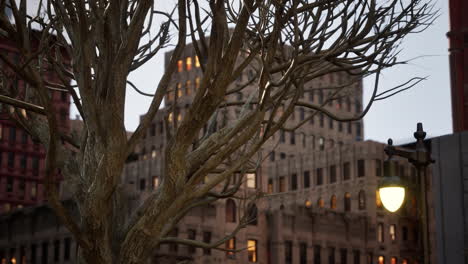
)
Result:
{"points": [[317, 255], [12, 134], [301, 114], [330, 123], [357, 106], [197, 62], [346, 171], [393, 260], [392, 232], [252, 250], [230, 211], [155, 182], [333, 202], [340, 126], [207, 240], [188, 87], [320, 203], [293, 138], [179, 90], [381, 260], [270, 186], [33, 190], [380, 233], [282, 184], [321, 143], [358, 132], [251, 180], [321, 119], [331, 255], [9, 185], [361, 168], [332, 173], [306, 179], [45, 252], [174, 246], [180, 65], [24, 137], [294, 181], [378, 202], [282, 136], [188, 63], [356, 257], [230, 245], [347, 202], [142, 184], [302, 253], [11, 159], [197, 83], [378, 168], [370, 258], [319, 176], [362, 200], [404, 261], [350, 128], [252, 214], [56, 250], [288, 252], [320, 96], [404, 233], [191, 234], [344, 256], [282, 155]]}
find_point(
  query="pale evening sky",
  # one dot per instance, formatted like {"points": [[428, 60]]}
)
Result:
{"points": [[396, 117]]}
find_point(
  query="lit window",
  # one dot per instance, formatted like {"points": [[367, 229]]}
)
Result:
{"points": [[308, 204], [405, 261], [197, 83], [252, 250], [320, 203], [180, 65], [392, 231], [179, 117], [13, 260], [321, 143], [333, 202], [362, 200], [197, 62], [188, 63], [380, 233], [251, 180], [378, 202], [381, 260], [153, 152], [7, 207], [179, 90], [230, 245], [270, 186], [393, 260], [282, 184], [347, 202], [155, 182], [33, 190], [169, 118]]}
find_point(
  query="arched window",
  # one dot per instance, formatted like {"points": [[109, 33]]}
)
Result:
{"points": [[333, 202], [252, 214], [347, 202], [230, 211], [188, 63], [320, 203], [362, 200]]}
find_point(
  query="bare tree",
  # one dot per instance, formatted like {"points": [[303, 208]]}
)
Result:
{"points": [[94, 45]]}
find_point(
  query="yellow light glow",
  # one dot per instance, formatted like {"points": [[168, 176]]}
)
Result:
{"points": [[392, 197]]}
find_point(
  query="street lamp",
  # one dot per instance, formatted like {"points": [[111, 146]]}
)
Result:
{"points": [[391, 189]]}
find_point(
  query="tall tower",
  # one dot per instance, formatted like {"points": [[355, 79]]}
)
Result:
{"points": [[458, 38]]}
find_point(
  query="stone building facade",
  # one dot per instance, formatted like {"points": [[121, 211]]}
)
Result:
{"points": [[320, 183]]}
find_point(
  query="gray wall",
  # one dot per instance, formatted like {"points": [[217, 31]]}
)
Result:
{"points": [[450, 190]]}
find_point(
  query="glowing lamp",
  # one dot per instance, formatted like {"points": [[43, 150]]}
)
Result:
{"points": [[391, 189]]}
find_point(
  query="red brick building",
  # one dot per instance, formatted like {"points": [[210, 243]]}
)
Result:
{"points": [[22, 160]]}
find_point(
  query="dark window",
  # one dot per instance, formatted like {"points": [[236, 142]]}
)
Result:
{"points": [[344, 256], [12, 134], [282, 136], [311, 96], [370, 258], [378, 168], [282, 155], [358, 132], [320, 96], [9, 185], [288, 252], [56, 250], [319, 176], [331, 255], [330, 123], [174, 246], [350, 128], [322, 118], [33, 254], [302, 114], [340, 126], [361, 168], [347, 202], [303, 253], [153, 130], [358, 106], [11, 159], [332, 173], [192, 234], [24, 137], [272, 156], [317, 255], [35, 166], [294, 181], [45, 252], [293, 138], [348, 104], [346, 171], [311, 118], [63, 96], [356, 257], [230, 211], [207, 240], [404, 233], [142, 184], [306, 179], [252, 215]]}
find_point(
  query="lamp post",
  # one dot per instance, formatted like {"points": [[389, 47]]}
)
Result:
{"points": [[392, 190]]}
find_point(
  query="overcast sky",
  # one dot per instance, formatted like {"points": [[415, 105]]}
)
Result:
{"points": [[396, 117]]}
